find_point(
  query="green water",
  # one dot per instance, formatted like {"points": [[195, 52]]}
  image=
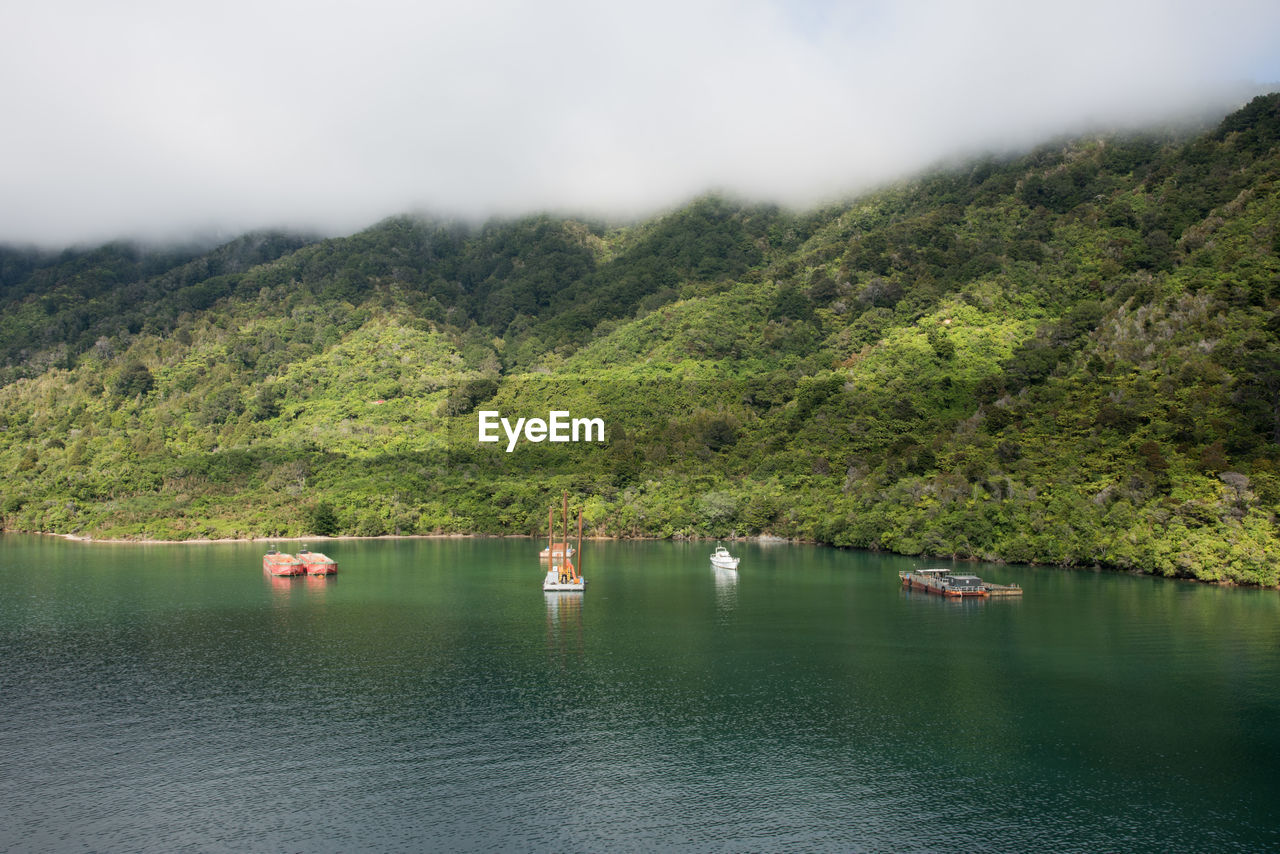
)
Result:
{"points": [[431, 697]]}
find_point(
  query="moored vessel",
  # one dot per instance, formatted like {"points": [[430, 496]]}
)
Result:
{"points": [[562, 575], [317, 563], [721, 559], [281, 564], [944, 583]]}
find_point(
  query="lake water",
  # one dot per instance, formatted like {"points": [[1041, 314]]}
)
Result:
{"points": [[432, 697]]}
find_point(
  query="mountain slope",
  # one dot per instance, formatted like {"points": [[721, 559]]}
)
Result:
{"points": [[1069, 356]]}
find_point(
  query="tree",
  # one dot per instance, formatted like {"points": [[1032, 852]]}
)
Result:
{"points": [[134, 380], [321, 520], [467, 396]]}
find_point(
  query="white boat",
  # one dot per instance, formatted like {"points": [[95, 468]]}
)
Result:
{"points": [[721, 559]]}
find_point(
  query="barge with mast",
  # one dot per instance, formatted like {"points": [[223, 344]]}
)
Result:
{"points": [[562, 575]]}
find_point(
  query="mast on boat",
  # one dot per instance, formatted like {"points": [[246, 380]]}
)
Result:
{"points": [[562, 576]]}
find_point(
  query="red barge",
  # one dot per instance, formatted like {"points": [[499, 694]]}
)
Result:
{"points": [[279, 563], [316, 563]]}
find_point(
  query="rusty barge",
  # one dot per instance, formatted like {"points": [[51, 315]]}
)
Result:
{"points": [[317, 563], [281, 564]]}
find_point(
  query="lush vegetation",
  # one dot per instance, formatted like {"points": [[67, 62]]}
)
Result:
{"points": [[1071, 356]]}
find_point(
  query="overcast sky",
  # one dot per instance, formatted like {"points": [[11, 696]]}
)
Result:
{"points": [[161, 118]]}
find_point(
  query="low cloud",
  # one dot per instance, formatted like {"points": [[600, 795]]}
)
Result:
{"points": [[157, 119]]}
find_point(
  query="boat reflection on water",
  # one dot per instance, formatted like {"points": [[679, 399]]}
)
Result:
{"points": [[319, 583], [726, 588], [564, 624], [290, 585], [279, 583]]}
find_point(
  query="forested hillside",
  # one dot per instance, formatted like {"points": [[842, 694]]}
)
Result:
{"points": [[1070, 356]]}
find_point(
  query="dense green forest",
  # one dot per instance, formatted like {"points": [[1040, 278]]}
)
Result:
{"points": [[1068, 356]]}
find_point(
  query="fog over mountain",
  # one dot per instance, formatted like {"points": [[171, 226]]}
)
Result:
{"points": [[160, 120]]}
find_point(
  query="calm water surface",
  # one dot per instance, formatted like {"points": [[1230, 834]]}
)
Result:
{"points": [[431, 697]]}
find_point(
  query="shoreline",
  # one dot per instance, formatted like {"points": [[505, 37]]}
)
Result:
{"points": [[124, 541], [761, 539]]}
